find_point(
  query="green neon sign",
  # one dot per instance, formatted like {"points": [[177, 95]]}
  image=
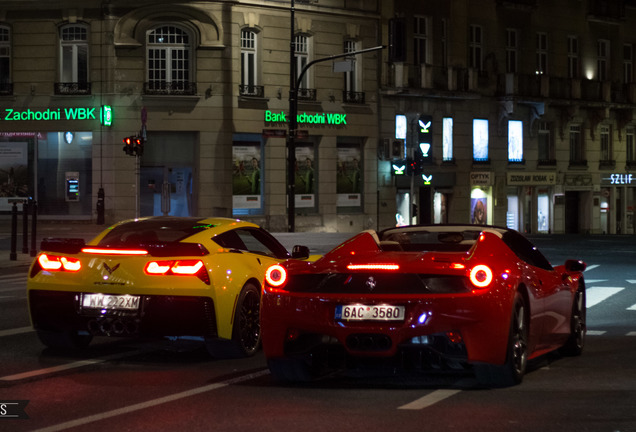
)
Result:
{"points": [[323, 118], [67, 114], [106, 115]]}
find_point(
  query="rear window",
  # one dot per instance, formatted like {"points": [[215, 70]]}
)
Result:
{"points": [[144, 232], [422, 240]]}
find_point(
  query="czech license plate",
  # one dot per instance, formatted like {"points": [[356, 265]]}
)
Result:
{"points": [[110, 302], [370, 313]]}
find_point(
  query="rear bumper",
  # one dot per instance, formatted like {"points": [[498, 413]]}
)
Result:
{"points": [[296, 325], [156, 316]]}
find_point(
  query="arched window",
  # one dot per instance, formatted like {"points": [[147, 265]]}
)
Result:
{"points": [[6, 87], [169, 61], [73, 60]]}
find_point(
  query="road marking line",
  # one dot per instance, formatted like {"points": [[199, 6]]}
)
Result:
{"points": [[429, 399], [631, 281], [591, 267], [631, 333], [595, 295], [595, 332], [151, 403], [591, 281], [15, 331], [77, 364]]}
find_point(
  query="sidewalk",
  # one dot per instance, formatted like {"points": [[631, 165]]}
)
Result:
{"points": [[318, 243]]}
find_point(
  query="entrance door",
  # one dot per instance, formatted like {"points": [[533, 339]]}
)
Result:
{"points": [[165, 191], [572, 209]]}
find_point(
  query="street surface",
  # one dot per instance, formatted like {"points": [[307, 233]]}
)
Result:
{"points": [[142, 385]]}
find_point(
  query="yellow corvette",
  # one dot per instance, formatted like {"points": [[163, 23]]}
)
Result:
{"points": [[156, 276]]}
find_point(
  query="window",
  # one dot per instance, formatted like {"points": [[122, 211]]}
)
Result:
{"points": [[301, 48], [628, 65], [480, 140], [573, 57], [576, 146], [169, 61], [352, 93], [6, 86], [602, 58], [444, 42], [447, 139], [606, 143], [630, 143], [249, 64], [542, 53], [475, 47], [515, 141], [546, 146], [73, 60], [511, 50], [421, 40]]}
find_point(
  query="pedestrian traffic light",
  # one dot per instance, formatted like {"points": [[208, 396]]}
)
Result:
{"points": [[134, 145], [139, 145]]}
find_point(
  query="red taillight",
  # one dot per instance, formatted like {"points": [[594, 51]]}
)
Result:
{"points": [[179, 268], [373, 267], [481, 276], [59, 263], [276, 276], [108, 251]]}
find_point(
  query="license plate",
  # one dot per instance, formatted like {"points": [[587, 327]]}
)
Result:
{"points": [[370, 313], [110, 302]]}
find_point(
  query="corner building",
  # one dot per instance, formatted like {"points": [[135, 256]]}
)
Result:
{"points": [[529, 110], [205, 87]]}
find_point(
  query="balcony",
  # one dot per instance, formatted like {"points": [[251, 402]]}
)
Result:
{"points": [[166, 88], [350, 97], [72, 88], [306, 94], [609, 11], [255, 91]]}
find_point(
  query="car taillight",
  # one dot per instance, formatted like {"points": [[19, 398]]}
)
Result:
{"points": [[481, 276], [276, 276], [178, 268], [378, 266], [59, 263]]}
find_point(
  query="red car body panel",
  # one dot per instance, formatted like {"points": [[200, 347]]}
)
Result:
{"points": [[482, 316]]}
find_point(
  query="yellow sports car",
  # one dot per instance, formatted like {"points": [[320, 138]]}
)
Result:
{"points": [[156, 276]]}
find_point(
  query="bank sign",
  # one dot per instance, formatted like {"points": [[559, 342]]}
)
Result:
{"points": [[332, 119], [104, 114]]}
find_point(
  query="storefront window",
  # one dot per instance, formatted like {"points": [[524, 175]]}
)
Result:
{"points": [[349, 178], [480, 140], [247, 181], [543, 213], [305, 183], [479, 207]]}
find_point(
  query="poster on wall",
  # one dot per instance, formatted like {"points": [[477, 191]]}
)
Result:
{"points": [[14, 178], [305, 183], [478, 211], [348, 177], [246, 176]]}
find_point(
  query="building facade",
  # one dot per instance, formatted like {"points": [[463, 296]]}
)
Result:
{"points": [[528, 106], [506, 112], [202, 89]]}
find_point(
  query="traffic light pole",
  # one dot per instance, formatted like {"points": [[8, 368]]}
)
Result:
{"points": [[293, 118]]}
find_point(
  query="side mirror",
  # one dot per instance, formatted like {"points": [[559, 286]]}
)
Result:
{"points": [[300, 252], [575, 266]]}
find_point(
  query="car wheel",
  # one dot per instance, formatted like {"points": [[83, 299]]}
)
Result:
{"points": [[64, 339], [512, 371], [246, 332], [291, 370], [575, 343]]}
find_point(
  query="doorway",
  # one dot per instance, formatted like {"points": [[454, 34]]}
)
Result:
{"points": [[165, 191]]}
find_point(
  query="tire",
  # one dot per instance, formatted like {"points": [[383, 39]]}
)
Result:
{"points": [[512, 371], [576, 341], [289, 370], [64, 339], [246, 332]]}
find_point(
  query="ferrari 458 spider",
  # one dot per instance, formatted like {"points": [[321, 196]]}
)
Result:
{"points": [[157, 276], [419, 299]]}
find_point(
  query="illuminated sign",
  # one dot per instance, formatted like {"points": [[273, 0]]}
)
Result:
{"points": [[398, 169], [304, 118], [427, 179], [531, 178], [425, 136], [619, 179], [400, 126], [106, 115], [10, 114]]}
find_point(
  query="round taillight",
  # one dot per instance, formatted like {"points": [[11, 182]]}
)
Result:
{"points": [[481, 276], [276, 275]]}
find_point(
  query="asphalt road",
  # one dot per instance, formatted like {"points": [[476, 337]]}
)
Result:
{"points": [[164, 386]]}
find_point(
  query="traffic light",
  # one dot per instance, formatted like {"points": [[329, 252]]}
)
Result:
{"points": [[128, 146], [139, 145]]}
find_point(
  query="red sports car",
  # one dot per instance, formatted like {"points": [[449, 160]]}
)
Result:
{"points": [[418, 299]]}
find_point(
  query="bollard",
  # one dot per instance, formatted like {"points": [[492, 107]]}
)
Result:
{"points": [[13, 256], [25, 226], [34, 218]]}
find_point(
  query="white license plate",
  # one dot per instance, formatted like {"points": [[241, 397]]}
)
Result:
{"points": [[110, 302], [370, 313]]}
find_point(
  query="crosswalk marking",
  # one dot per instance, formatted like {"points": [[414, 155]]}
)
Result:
{"points": [[595, 295], [591, 267]]}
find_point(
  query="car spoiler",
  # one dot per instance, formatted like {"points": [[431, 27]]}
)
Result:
{"points": [[155, 249]]}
